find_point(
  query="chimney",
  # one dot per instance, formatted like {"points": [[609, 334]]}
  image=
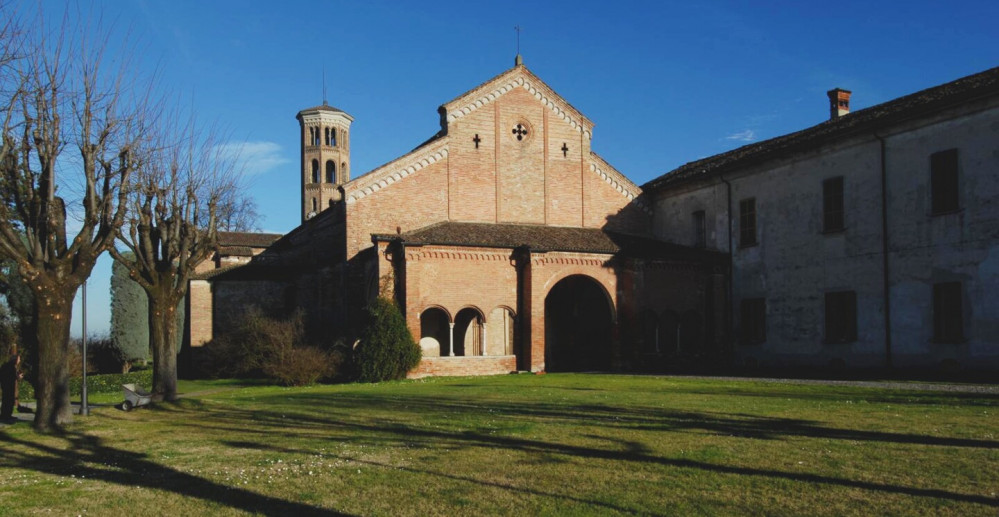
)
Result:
{"points": [[839, 102]]}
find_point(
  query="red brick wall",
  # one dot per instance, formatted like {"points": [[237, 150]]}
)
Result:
{"points": [[503, 180], [473, 171], [456, 278], [412, 202], [457, 366], [547, 269]]}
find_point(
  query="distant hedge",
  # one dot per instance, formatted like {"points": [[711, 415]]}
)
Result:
{"points": [[106, 383]]}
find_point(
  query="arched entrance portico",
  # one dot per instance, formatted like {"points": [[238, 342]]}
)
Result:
{"points": [[579, 326]]}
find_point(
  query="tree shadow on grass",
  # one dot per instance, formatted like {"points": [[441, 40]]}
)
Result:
{"points": [[636, 418], [388, 433], [441, 474], [89, 457]]}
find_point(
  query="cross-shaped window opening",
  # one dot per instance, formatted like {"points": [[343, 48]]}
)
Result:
{"points": [[476, 140], [520, 131], [565, 150]]}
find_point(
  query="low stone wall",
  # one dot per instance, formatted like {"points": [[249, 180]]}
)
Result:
{"points": [[466, 365]]}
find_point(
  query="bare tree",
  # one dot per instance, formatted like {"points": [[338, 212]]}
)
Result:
{"points": [[55, 96], [173, 224], [238, 212]]}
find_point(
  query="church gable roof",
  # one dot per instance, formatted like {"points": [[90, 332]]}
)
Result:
{"points": [[516, 77], [432, 151], [617, 181]]}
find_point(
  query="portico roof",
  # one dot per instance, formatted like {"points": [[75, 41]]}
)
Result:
{"points": [[541, 238]]}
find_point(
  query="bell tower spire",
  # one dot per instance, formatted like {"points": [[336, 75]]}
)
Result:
{"points": [[325, 148]]}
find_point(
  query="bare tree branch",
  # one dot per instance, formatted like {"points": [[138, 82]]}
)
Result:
{"points": [[174, 203], [56, 96]]}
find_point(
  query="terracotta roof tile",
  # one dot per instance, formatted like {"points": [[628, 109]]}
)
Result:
{"points": [[910, 106], [247, 239], [539, 238], [323, 107]]}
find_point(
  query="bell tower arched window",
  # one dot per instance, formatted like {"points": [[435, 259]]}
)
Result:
{"points": [[315, 171], [330, 171]]}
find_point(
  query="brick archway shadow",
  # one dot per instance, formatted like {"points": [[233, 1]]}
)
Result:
{"points": [[579, 326]]}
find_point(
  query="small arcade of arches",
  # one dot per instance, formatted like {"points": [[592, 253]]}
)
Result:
{"points": [[579, 324], [468, 334]]}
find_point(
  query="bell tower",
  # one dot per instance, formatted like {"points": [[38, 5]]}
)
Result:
{"points": [[325, 142]]}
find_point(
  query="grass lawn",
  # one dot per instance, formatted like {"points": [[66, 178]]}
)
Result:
{"points": [[568, 444]]}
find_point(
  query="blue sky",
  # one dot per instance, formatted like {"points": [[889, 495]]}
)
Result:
{"points": [[664, 82]]}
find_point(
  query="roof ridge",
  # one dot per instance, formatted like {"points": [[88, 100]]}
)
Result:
{"points": [[468, 102], [616, 179], [891, 111]]}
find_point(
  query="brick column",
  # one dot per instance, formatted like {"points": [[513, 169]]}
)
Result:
{"points": [[450, 339]]}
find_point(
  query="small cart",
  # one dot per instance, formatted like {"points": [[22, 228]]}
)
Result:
{"points": [[135, 396]]}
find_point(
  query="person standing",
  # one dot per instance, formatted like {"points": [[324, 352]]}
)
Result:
{"points": [[9, 375]]}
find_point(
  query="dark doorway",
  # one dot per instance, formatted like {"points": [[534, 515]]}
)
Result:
{"points": [[578, 326]]}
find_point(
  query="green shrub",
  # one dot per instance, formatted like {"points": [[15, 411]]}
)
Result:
{"points": [[264, 347], [386, 349], [299, 366]]}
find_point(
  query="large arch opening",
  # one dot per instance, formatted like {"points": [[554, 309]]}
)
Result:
{"points": [[578, 326], [435, 326], [468, 332]]}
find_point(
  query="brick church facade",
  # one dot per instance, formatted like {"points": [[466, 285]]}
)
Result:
{"points": [[506, 241], [866, 241]]}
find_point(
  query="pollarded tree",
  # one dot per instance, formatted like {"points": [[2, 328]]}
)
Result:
{"points": [[55, 96], [173, 224]]}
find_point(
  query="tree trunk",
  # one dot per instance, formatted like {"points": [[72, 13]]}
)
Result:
{"points": [[53, 308], [163, 340]]}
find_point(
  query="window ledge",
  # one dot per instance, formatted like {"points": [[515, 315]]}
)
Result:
{"points": [[948, 212], [837, 231], [748, 245], [838, 342]]}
